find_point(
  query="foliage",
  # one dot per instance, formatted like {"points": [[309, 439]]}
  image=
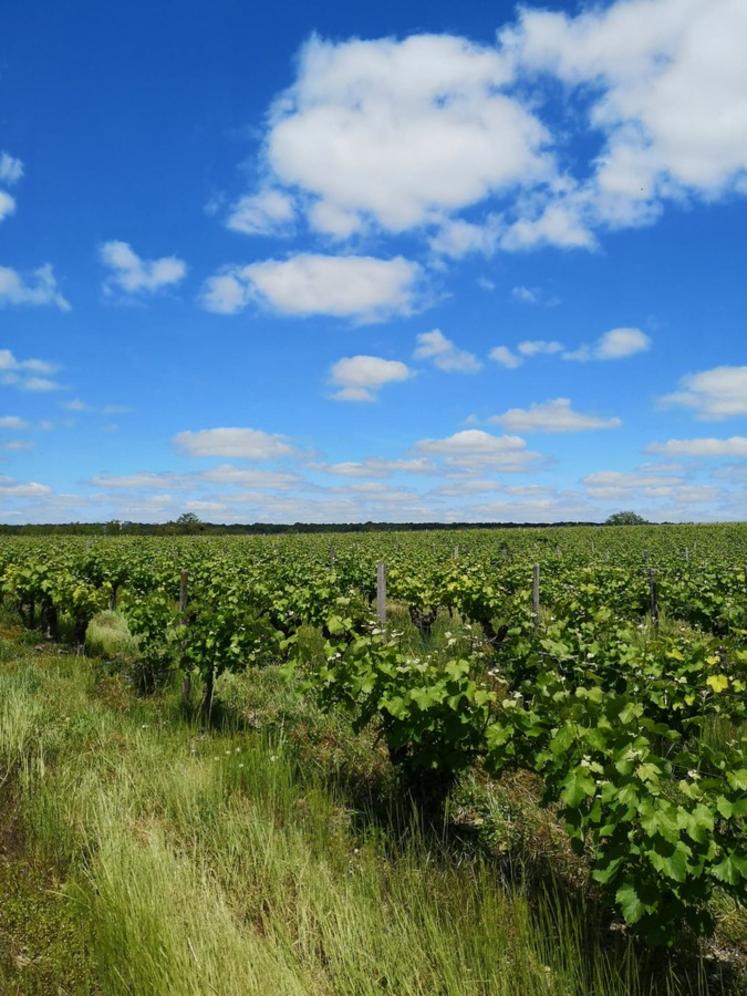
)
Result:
{"points": [[625, 519]]}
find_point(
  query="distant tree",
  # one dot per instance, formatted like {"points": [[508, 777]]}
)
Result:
{"points": [[626, 519], [188, 522]]}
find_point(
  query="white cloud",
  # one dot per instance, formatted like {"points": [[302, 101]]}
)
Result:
{"points": [[552, 416], [146, 480], [401, 132], [456, 237], [249, 477], [134, 275], [23, 374], [617, 344], [475, 448], [18, 444], [249, 444], [558, 225], [228, 292], [649, 484], [359, 378], [527, 295], [11, 169], [734, 446], [537, 347], [363, 288], [268, 212], [504, 356], [11, 488], [444, 353], [39, 289], [12, 422], [713, 394], [378, 467], [39, 384], [76, 405], [7, 204], [670, 94], [412, 134]]}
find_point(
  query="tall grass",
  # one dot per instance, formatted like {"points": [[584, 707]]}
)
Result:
{"points": [[206, 863]]}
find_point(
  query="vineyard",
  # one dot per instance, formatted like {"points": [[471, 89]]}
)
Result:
{"points": [[608, 665]]}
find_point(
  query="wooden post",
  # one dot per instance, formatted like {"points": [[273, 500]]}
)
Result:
{"points": [[653, 594], [645, 557], [183, 599], [381, 592], [183, 594], [536, 597], [113, 599], [456, 552]]}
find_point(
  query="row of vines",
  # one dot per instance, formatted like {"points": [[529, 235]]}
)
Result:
{"points": [[634, 725]]}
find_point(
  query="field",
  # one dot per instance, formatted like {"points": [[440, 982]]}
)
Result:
{"points": [[474, 762]]}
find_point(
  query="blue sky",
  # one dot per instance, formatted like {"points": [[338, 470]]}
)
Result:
{"points": [[403, 262]]}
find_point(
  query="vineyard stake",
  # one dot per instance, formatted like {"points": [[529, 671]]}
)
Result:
{"points": [[536, 597], [183, 599], [381, 592], [183, 595], [653, 594]]}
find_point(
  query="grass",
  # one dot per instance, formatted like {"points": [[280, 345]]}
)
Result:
{"points": [[233, 861], [108, 637]]}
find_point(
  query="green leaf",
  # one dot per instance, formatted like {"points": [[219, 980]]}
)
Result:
{"points": [[630, 903]]}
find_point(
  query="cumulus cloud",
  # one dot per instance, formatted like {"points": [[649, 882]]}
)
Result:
{"points": [[400, 132], [11, 168], [362, 288], [506, 358], [734, 446], [713, 394], [475, 448], [552, 416], [250, 444], [445, 354], [38, 289], [268, 212], [7, 204], [359, 378], [25, 374], [443, 134], [617, 344], [134, 275], [670, 95]]}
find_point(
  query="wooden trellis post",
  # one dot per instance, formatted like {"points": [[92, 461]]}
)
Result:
{"points": [[381, 592], [653, 594], [536, 597], [183, 600]]}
